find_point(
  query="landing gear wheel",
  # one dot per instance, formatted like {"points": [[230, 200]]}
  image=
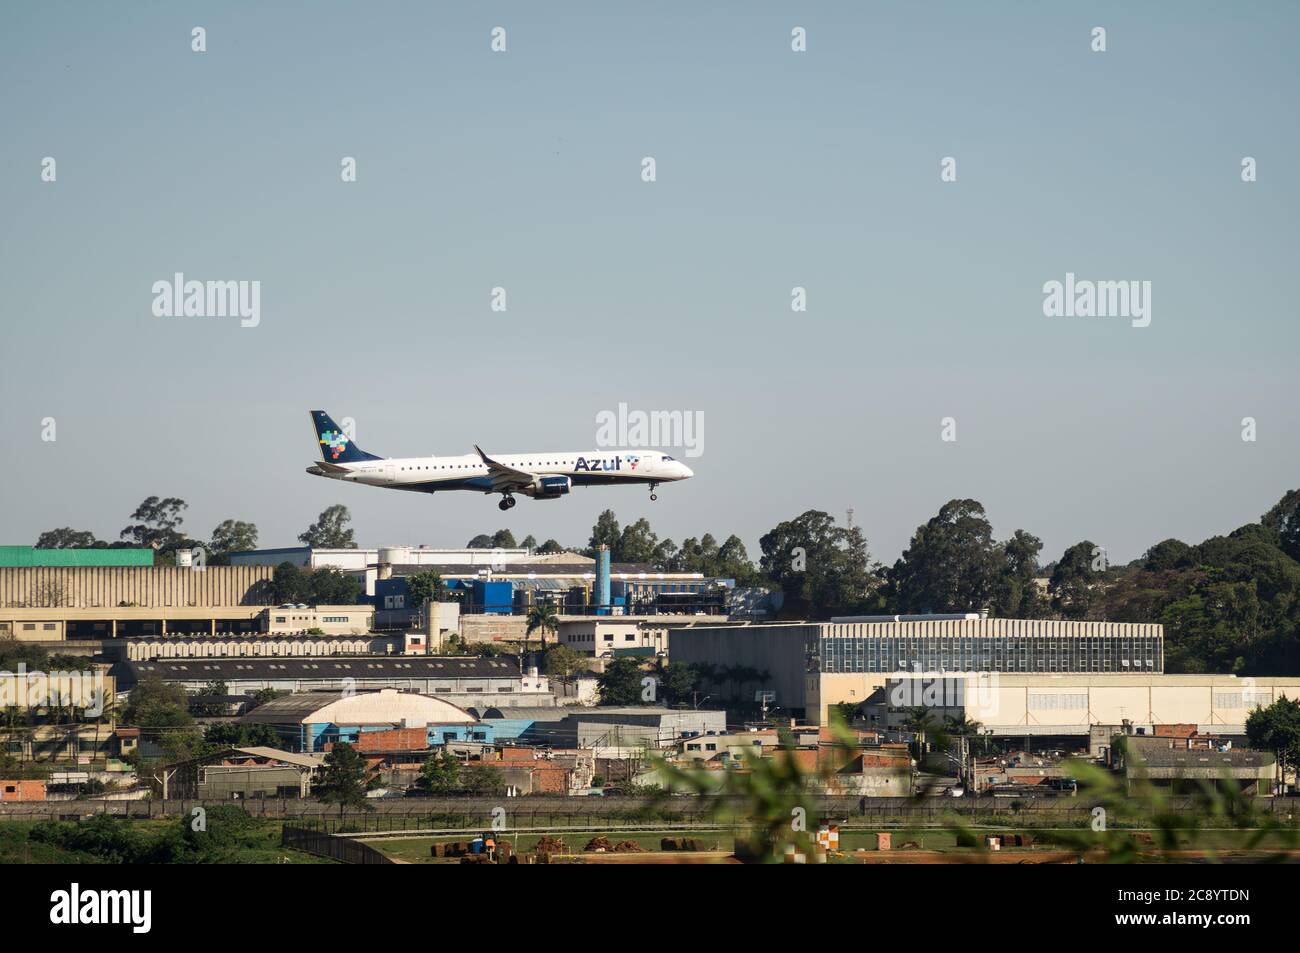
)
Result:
{"points": [[510, 501], [652, 492], [505, 503]]}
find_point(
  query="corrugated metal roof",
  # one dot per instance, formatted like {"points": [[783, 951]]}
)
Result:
{"points": [[327, 667], [18, 556], [288, 757], [384, 707]]}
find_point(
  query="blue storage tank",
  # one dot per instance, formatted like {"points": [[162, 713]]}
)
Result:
{"points": [[493, 597]]}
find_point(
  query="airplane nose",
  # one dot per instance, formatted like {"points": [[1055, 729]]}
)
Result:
{"points": [[686, 472]]}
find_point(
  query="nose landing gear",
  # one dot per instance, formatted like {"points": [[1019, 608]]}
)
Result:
{"points": [[652, 492], [507, 501]]}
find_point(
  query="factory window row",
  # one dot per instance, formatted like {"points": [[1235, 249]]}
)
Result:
{"points": [[1066, 654]]}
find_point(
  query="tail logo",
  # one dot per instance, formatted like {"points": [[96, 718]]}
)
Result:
{"points": [[335, 441]]}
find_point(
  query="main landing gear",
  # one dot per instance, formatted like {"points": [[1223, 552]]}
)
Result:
{"points": [[652, 492], [507, 501]]}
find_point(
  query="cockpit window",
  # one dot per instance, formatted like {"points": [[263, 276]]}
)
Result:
{"points": [[666, 457]]}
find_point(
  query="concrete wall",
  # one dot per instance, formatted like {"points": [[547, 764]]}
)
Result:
{"points": [[780, 650], [1070, 704], [331, 620], [271, 647], [597, 635], [95, 586], [494, 628], [225, 782]]}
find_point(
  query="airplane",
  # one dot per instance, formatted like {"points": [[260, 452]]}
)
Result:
{"points": [[542, 476]]}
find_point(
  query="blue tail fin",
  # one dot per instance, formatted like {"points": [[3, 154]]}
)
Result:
{"points": [[335, 445]]}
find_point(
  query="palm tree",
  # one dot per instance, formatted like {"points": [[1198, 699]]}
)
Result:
{"points": [[919, 721], [541, 616], [960, 725]]}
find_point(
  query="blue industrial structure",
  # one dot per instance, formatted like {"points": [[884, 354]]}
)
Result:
{"points": [[602, 581], [316, 736]]}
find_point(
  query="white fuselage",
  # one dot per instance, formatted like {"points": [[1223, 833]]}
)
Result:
{"points": [[469, 472]]}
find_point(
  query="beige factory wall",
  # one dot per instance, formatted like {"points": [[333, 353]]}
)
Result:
{"points": [[151, 586], [1039, 702]]}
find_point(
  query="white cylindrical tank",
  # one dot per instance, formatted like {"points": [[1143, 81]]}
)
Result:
{"points": [[394, 555]]}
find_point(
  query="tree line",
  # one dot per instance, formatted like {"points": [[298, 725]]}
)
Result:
{"points": [[157, 524], [1229, 603]]}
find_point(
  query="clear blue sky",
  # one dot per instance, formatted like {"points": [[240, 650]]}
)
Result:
{"points": [[775, 169]]}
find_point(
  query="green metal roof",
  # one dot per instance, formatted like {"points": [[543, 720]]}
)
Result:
{"points": [[31, 556]]}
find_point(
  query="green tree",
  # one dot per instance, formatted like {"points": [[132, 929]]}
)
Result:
{"points": [[424, 585], [1016, 593], [1167, 554], [154, 703], [563, 663], [343, 779], [823, 569], [1284, 520], [233, 536], [920, 721], [439, 775], [678, 683], [951, 564], [734, 563], [232, 735], [288, 583], [541, 617], [66, 538], [157, 525], [549, 548], [604, 533], [501, 539], [636, 544], [1074, 583], [529, 542], [1277, 729], [620, 683], [665, 555], [330, 531], [329, 586], [444, 774]]}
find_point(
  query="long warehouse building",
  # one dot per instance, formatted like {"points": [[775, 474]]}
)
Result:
{"points": [[808, 666]]}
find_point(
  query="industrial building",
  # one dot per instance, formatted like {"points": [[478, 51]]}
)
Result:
{"points": [[601, 728], [91, 690], [28, 556], [597, 636], [505, 581], [807, 666], [108, 586], [240, 774], [462, 679], [313, 720], [970, 643], [193, 647], [1185, 767], [63, 624], [1065, 705]]}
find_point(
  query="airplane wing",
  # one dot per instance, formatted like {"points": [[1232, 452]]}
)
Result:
{"points": [[504, 477]]}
